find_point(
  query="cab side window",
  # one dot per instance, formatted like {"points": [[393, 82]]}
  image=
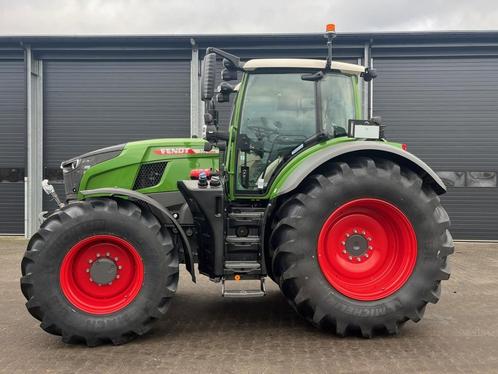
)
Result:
{"points": [[338, 102]]}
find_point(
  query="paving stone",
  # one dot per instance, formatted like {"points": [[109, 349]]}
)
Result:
{"points": [[205, 333]]}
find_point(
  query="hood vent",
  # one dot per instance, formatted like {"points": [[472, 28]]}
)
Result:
{"points": [[149, 175]]}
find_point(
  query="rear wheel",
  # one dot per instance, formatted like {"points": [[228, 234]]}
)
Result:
{"points": [[362, 247], [99, 271]]}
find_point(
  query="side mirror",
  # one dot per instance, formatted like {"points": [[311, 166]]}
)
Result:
{"points": [[208, 77], [222, 98], [229, 73], [369, 74], [224, 89]]}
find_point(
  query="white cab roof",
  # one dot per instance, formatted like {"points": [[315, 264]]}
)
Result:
{"points": [[301, 64]]}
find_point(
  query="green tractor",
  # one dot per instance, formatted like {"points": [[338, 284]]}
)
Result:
{"points": [[300, 189]]}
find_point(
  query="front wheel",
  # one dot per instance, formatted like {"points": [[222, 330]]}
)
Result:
{"points": [[99, 271], [362, 247]]}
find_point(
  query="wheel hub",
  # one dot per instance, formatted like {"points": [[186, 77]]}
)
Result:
{"points": [[101, 274], [356, 245], [103, 271], [367, 249]]}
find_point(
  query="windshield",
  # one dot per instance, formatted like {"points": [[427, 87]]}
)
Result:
{"points": [[278, 114]]}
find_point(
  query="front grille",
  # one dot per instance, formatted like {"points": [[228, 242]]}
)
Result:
{"points": [[149, 175]]}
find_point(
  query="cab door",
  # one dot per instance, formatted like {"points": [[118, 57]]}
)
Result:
{"points": [[279, 112]]}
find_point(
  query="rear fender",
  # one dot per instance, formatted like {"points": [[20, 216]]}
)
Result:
{"points": [[162, 213], [361, 148]]}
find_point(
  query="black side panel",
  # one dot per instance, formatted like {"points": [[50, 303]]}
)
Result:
{"points": [[12, 146], [206, 205]]}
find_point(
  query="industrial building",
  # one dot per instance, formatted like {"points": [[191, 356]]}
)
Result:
{"points": [[63, 96]]}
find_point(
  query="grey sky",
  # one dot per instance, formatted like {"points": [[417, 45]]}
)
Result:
{"points": [[250, 16]]}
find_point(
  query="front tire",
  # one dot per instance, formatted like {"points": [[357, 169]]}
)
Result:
{"points": [[99, 271], [362, 247]]}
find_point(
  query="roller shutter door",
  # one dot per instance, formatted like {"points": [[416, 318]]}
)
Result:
{"points": [[12, 146], [94, 104], [445, 109]]}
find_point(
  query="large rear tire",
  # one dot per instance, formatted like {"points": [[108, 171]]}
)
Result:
{"points": [[362, 247], [99, 271]]}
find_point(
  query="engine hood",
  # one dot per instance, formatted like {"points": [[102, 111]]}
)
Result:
{"points": [[180, 155]]}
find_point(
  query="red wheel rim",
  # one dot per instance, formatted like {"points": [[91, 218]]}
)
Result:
{"points": [[367, 249], [113, 289]]}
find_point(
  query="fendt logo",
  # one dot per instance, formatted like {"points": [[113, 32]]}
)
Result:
{"points": [[181, 151]]}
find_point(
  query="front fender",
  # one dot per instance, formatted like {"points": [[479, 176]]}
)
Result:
{"points": [[313, 161], [161, 212]]}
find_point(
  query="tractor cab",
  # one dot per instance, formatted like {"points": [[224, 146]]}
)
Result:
{"points": [[282, 111], [282, 106]]}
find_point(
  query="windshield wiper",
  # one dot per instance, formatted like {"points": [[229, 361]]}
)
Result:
{"points": [[313, 77], [312, 140]]}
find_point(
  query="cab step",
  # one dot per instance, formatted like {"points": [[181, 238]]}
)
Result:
{"points": [[242, 266], [239, 293]]}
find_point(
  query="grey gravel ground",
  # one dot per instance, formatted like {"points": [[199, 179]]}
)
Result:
{"points": [[204, 333]]}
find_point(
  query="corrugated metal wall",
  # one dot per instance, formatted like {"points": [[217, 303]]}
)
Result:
{"points": [[443, 107], [446, 110], [12, 146], [94, 104]]}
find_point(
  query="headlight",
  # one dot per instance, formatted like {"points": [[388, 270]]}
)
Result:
{"points": [[70, 165], [74, 168]]}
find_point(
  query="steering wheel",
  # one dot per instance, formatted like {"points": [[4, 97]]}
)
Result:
{"points": [[265, 129]]}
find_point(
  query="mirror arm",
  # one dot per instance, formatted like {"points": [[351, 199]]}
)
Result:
{"points": [[235, 60]]}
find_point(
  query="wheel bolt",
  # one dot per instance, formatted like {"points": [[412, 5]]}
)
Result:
{"points": [[117, 276], [107, 254], [98, 254], [358, 259], [369, 239], [344, 251], [366, 255], [363, 232], [116, 259], [350, 258], [87, 270], [348, 235], [90, 261], [343, 243], [355, 231], [109, 283], [100, 284], [91, 280], [120, 267], [370, 247]]}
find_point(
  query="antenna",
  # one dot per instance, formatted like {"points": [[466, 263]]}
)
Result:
{"points": [[330, 35]]}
